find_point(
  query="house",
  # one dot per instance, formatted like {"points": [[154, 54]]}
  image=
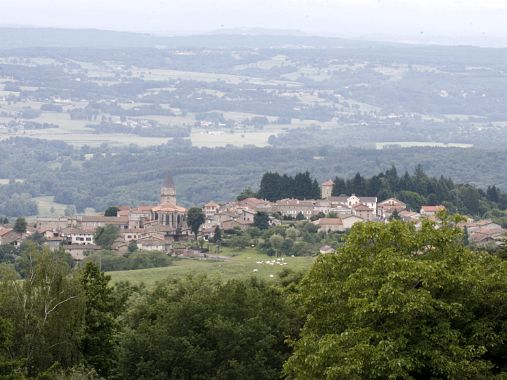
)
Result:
{"points": [[353, 200], [49, 233], [329, 224], [211, 209], [350, 220], [132, 234], [137, 216], [78, 236], [326, 189], [386, 208], [154, 244], [293, 207], [482, 225], [9, 236], [255, 204], [409, 216], [248, 216], [79, 251], [4, 232], [92, 222], [362, 211], [53, 243], [326, 249], [56, 223], [431, 210], [488, 237]]}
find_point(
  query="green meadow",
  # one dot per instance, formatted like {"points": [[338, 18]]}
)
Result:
{"points": [[238, 265]]}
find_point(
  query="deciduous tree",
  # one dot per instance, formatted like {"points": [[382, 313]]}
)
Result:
{"points": [[403, 304]]}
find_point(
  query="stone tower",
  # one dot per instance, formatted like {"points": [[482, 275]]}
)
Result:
{"points": [[327, 189], [168, 190]]}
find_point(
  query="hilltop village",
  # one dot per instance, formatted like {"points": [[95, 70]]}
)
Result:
{"points": [[159, 227]]}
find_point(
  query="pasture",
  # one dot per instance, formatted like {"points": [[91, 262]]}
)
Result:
{"points": [[240, 265]]}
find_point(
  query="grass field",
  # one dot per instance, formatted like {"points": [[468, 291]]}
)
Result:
{"points": [[241, 266], [47, 204]]}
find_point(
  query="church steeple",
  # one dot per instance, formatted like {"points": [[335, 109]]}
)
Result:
{"points": [[168, 190]]}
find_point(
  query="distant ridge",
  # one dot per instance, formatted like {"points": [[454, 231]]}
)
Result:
{"points": [[258, 32], [34, 37], [19, 37]]}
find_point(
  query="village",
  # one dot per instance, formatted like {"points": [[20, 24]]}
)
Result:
{"points": [[161, 227]]}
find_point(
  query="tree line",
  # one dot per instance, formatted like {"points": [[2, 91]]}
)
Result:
{"points": [[419, 189], [415, 190], [274, 186]]}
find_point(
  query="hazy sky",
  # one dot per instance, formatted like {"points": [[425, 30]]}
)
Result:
{"points": [[359, 18]]}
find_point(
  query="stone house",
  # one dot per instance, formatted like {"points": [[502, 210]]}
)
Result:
{"points": [[362, 211], [211, 209], [329, 224], [386, 208], [350, 220], [431, 210]]}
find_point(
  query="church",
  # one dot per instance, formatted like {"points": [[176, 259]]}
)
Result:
{"points": [[168, 213], [166, 217]]}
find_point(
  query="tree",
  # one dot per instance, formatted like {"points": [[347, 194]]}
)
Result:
{"points": [[132, 246], [276, 242], [247, 193], [198, 328], [217, 235], [195, 218], [261, 220], [400, 303], [45, 309], [20, 225], [300, 216], [70, 210], [100, 322], [112, 211], [105, 236], [395, 216]]}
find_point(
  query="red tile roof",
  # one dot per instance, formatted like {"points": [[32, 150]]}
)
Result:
{"points": [[432, 208], [169, 207], [329, 222]]}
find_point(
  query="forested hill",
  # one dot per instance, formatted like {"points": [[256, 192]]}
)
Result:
{"points": [[104, 176], [415, 190]]}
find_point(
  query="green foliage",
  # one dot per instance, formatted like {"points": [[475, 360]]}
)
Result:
{"points": [[420, 189], [261, 220], [247, 193], [195, 218], [105, 236], [132, 246], [20, 225], [100, 323], [45, 311], [217, 235], [275, 186], [403, 304], [111, 261], [196, 328], [111, 211]]}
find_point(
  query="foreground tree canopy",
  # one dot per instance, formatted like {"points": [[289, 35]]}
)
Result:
{"points": [[396, 303], [201, 329]]}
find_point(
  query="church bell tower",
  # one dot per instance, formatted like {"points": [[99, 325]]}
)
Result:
{"points": [[168, 190]]}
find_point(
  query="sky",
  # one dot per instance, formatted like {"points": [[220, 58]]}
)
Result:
{"points": [[460, 20]]}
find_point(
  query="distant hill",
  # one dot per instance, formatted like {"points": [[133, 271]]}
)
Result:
{"points": [[29, 37]]}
